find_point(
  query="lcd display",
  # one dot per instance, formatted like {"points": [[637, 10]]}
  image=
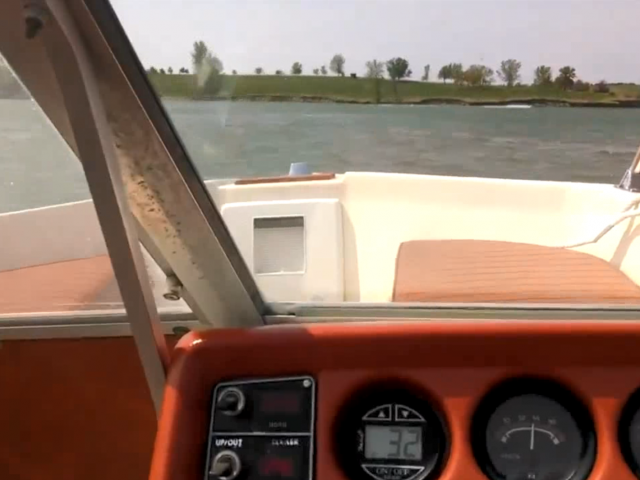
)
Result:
{"points": [[393, 442]]}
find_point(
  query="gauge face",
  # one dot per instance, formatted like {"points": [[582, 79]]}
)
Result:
{"points": [[534, 432], [629, 433], [389, 433], [634, 438]]}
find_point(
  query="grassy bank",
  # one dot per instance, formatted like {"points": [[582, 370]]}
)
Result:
{"points": [[349, 90]]}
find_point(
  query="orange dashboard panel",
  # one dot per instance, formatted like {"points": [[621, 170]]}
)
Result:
{"points": [[404, 401]]}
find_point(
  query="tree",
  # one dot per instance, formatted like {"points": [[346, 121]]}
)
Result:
{"points": [[279, 72], [152, 70], [425, 75], [208, 68], [375, 69], [601, 87], [323, 70], [542, 76], [452, 71], [183, 70], [296, 68], [457, 73], [211, 62], [580, 86], [316, 71], [198, 55], [258, 71], [212, 84], [234, 72], [337, 64], [398, 68], [477, 75], [445, 73], [509, 72], [566, 77], [170, 71], [162, 72]]}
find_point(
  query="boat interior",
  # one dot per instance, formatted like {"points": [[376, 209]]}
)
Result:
{"points": [[431, 239], [334, 326]]}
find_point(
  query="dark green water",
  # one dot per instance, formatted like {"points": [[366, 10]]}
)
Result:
{"points": [[240, 139]]}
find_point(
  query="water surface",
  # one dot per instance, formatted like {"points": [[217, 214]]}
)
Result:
{"points": [[239, 139]]}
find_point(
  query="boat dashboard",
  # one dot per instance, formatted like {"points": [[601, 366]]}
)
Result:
{"points": [[404, 401]]}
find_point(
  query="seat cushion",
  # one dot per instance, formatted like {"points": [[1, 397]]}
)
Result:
{"points": [[497, 272], [84, 284]]}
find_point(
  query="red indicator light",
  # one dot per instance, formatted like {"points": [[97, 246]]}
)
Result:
{"points": [[276, 466], [279, 402]]}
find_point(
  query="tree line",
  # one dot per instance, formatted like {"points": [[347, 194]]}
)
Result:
{"points": [[509, 73], [208, 68]]}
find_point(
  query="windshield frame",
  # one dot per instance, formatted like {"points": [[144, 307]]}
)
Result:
{"points": [[290, 312], [221, 272]]}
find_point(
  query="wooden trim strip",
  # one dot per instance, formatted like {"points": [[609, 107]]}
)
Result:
{"points": [[314, 177]]}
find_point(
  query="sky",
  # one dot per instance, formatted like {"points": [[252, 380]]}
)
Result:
{"points": [[597, 37]]}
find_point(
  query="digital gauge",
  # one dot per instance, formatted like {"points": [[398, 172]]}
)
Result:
{"points": [[533, 430], [389, 434]]}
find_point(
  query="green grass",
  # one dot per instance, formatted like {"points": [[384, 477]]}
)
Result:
{"points": [[626, 91], [345, 89]]}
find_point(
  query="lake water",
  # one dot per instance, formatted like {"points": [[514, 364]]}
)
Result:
{"points": [[239, 139]]}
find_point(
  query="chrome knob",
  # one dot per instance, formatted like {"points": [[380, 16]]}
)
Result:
{"points": [[226, 465], [231, 401]]}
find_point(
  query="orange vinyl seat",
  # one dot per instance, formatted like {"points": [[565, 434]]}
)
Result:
{"points": [[73, 285], [483, 271]]}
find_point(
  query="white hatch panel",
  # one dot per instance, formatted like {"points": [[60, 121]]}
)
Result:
{"points": [[293, 248]]}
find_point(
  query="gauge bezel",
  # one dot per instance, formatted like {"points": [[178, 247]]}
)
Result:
{"points": [[349, 421], [550, 389], [631, 407]]}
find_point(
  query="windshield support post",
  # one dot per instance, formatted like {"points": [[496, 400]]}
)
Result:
{"points": [[77, 80]]}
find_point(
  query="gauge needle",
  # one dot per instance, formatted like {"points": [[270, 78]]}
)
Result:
{"points": [[533, 431]]}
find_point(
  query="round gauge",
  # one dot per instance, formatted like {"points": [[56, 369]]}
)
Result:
{"points": [[389, 433], [629, 433], [533, 430]]}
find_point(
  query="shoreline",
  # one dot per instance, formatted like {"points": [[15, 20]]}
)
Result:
{"points": [[436, 101], [362, 91], [532, 102]]}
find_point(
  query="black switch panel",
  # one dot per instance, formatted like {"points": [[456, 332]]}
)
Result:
{"points": [[266, 458], [267, 406], [262, 429]]}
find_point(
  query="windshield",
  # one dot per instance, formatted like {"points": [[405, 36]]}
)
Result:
{"points": [[53, 256], [432, 152]]}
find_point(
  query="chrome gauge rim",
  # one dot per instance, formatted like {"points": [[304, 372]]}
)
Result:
{"points": [[351, 424], [557, 418], [628, 434]]}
